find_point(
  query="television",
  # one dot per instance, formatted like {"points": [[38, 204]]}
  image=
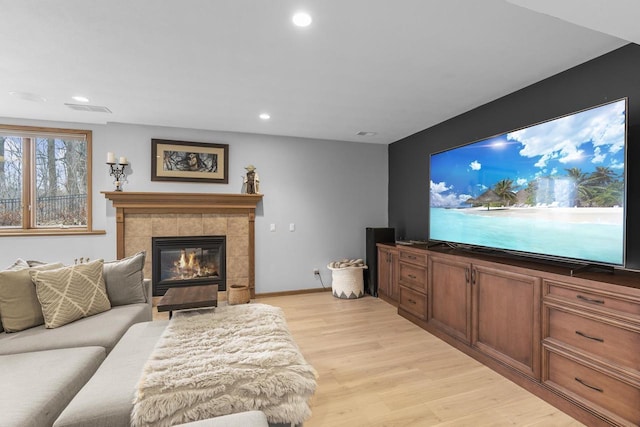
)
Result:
{"points": [[553, 190]]}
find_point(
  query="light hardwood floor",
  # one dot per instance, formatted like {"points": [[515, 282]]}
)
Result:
{"points": [[377, 369]]}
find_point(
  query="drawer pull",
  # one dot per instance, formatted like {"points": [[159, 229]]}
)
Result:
{"points": [[411, 257], [582, 334], [411, 301], [589, 386], [592, 301], [411, 276]]}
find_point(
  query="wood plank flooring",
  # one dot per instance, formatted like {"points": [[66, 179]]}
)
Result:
{"points": [[377, 369]]}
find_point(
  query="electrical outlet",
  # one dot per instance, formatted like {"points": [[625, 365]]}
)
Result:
{"points": [[316, 272]]}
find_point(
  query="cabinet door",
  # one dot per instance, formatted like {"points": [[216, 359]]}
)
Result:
{"points": [[388, 274], [384, 271], [449, 296], [394, 289], [506, 317]]}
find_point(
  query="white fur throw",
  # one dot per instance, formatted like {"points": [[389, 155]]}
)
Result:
{"points": [[221, 361]]}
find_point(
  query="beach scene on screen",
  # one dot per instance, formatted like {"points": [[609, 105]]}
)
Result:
{"points": [[556, 188]]}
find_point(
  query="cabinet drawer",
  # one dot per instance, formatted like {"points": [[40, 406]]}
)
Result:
{"points": [[413, 276], [591, 299], [585, 384], [414, 302], [602, 339], [413, 257]]}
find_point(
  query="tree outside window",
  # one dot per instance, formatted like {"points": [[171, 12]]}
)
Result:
{"points": [[44, 179]]}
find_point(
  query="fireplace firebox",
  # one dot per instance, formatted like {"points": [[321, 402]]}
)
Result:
{"points": [[188, 261]]}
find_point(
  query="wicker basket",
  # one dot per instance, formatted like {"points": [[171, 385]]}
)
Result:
{"points": [[238, 294], [347, 282]]}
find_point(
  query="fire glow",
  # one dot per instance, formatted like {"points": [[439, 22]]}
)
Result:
{"points": [[187, 266]]}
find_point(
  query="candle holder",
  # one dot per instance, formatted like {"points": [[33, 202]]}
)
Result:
{"points": [[117, 172]]}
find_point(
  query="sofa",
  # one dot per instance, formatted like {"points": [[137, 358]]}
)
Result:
{"points": [[82, 370], [43, 363]]}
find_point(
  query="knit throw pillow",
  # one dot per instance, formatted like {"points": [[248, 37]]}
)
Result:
{"points": [[71, 293]]}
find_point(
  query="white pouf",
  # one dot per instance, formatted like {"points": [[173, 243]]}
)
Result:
{"points": [[347, 282]]}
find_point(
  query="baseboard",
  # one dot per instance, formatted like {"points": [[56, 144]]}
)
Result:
{"points": [[296, 292]]}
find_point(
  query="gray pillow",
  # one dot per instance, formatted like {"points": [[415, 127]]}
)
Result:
{"points": [[124, 278]]}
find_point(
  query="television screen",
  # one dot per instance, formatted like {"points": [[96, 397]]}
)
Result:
{"points": [[555, 189]]}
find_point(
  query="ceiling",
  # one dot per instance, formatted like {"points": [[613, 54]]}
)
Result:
{"points": [[389, 67]]}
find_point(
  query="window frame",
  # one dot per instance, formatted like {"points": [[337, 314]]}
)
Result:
{"points": [[28, 190]]}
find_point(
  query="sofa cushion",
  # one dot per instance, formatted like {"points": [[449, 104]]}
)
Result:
{"points": [[19, 306], [37, 386], [71, 293], [107, 398], [103, 329], [124, 280]]}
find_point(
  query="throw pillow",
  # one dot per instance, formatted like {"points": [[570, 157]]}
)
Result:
{"points": [[17, 265], [19, 306], [124, 280], [71, 293]]}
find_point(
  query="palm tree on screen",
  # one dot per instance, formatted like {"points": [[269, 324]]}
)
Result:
{"points": [[504, 189]]}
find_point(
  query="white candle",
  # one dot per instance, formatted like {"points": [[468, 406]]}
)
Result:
{"points": [[111, 158], [123, 160]]}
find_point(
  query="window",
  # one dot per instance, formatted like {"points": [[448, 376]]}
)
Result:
{"points": [[45, 180]]}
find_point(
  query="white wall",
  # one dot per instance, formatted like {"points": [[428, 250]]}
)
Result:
{"points": [[330, 190]]}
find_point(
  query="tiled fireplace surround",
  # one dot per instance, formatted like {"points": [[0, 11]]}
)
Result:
{"points": [[141, 216]]}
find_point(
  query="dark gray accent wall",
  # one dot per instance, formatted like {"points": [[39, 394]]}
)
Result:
{"points": [[611, 76]]}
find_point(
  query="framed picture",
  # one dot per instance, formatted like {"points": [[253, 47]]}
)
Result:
{"points": [[189, 161]]}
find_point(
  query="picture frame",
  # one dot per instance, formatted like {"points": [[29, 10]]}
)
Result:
{"points": [[189, 161]]}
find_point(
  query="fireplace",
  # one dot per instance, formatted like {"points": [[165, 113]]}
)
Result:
{"points": [[188, 261]]}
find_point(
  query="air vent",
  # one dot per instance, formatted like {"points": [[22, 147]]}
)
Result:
{"points": [[89, 108], [27, 96], [363, 133]]}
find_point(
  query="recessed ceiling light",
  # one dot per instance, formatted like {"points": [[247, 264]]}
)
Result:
{"points": [[27, 96], [80, 98], [265, 116], [301, 19]]}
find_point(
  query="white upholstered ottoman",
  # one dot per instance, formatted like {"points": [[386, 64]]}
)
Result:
{"points": [[241, 419]]}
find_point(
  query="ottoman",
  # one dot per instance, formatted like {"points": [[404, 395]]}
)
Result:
{"points": [[107, 398], [241, 419]]}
